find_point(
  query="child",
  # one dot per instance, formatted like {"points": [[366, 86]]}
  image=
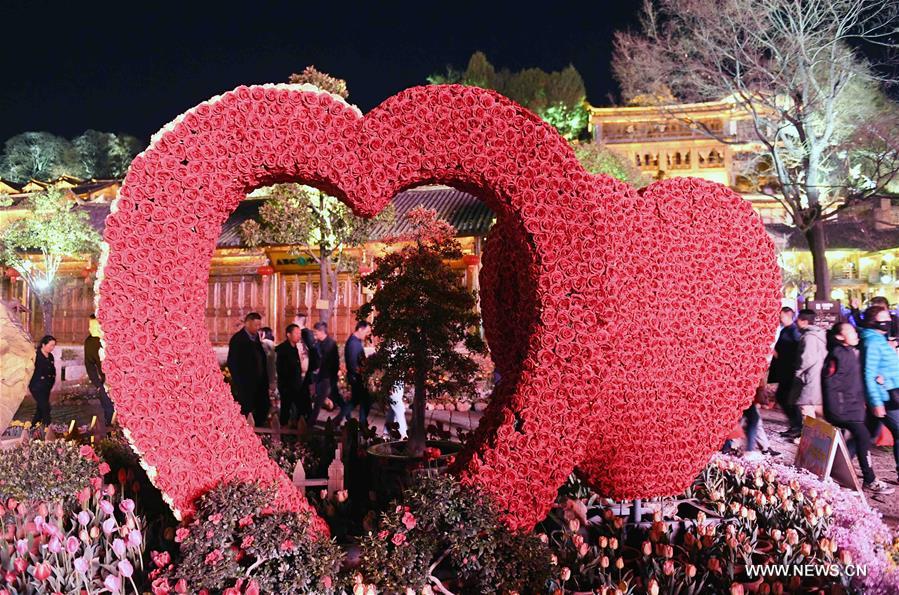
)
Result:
{"points": [[844, 398]]}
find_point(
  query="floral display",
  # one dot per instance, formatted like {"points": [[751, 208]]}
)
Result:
{"points": [[588, 291], [89, 540], [420, 545], [756, 516], [47, 471], [237, 544]]}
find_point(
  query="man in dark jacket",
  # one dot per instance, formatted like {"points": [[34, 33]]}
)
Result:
{"points": [[249, 370], [354, 354], [94, 368], [294, 376], [325, 363], [844, 398], [783, 369]]}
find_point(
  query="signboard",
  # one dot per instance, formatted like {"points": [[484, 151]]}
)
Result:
{"points": [[827, 313], [823, 452], [285, 261]]}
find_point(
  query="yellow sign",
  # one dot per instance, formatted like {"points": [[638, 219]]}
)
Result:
{"points": [[322, 304], [284, 261]]}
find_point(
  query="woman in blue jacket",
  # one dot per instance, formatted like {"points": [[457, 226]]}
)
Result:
{"points": [[881, 375]]}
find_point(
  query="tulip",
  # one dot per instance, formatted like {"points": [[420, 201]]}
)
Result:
{"points": [[118, 546], [736, 589], [72, 545], [113, 583], [690, 570], [22, 547], [125, 568], [603, 542], [181, 586], [668, 567], [565, 574], [613, 544], [619, 563], [604, 562], [647, 548], [652, 587], [42, 571], [81, 565]]}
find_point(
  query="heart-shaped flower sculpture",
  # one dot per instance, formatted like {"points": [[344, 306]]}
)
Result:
{"points": [[629, 327]]}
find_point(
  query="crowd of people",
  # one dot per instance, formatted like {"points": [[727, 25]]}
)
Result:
{"points": [[302, 372], [848, 375]]}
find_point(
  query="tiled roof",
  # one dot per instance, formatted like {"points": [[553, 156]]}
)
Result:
{"points": [[468, 214]]}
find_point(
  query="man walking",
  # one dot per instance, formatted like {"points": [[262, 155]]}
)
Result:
{"points": [[783, 370], [354, 354], [812, 352], [249, 370], [94, 368], [325, 363], [294, 377]]}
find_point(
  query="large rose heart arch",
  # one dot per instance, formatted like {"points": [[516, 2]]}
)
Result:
{"points": [[629, 327]]}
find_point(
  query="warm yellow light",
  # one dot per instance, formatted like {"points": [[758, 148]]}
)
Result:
{"points": [[837, 294], [889, 257]]}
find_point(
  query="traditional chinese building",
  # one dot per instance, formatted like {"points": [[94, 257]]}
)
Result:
{"points": [[715, 145], [276, 281]]}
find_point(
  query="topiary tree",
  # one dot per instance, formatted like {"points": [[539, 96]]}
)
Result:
{"points": [[599, 159], [425, 318]]}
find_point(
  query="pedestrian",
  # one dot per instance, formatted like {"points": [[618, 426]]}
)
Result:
{"points": [[881, 301], [267, 340], [249, 370], [783, 371], [844, 399], [812, 353], [43, 379], [354, 355], [94, 368], [881, 372], [294, 377], [307, 335], [325, 362]]}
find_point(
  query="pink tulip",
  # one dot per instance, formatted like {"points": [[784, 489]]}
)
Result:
{"points": [[125, 568], [84, 517], [72, 545], [109, 525], [118, 546], [81, 565], [127, 505], [134, 538], [55, 545], [107, 507], [42, 571], [22, 547], [113, 583]]}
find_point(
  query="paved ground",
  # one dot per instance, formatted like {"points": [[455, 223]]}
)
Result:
{"points": [[774, 420]]}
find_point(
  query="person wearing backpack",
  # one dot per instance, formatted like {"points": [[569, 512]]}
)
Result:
{"points": [[844, 399]]}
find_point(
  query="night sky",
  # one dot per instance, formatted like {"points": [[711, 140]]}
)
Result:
{"points": [[132, 66]]}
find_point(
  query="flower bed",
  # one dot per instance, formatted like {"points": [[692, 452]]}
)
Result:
{"points": [[757, 515]]}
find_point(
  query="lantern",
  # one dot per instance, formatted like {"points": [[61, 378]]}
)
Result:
{"points": [[12, 273], [471, 260], [265, 270]]}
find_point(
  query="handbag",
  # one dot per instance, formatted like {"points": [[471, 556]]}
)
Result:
{"points": [[894, 396]]}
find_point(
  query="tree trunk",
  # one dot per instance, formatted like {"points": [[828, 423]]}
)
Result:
{"points": [[817, 244], [323, 292], [47, 313], [417, 433]]}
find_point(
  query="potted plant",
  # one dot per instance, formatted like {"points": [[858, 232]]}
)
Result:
{"points": [[425, 321]]}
